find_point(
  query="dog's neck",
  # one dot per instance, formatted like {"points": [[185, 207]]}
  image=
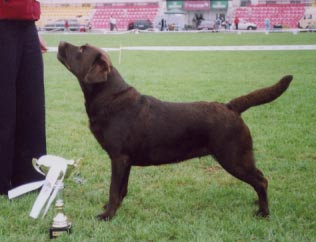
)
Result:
{"points": [[111, 87], [113, 92]]}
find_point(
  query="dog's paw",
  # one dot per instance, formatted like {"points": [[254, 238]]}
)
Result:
{"points": [[106, 216], [262, 214]]}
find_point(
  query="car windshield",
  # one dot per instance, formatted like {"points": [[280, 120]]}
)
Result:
{"points": [[73, 21]]}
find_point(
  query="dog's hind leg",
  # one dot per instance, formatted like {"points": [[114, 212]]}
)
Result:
{"points": [[261, 190], [260, 184], [118, 188], [242, 166]]}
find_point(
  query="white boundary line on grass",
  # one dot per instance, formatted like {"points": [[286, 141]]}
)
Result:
{"points": [[208, 48]]}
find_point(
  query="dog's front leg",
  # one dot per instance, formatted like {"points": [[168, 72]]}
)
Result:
{"points": [[118, 187]]}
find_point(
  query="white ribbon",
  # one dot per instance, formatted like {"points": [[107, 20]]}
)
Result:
{"points": [[18, 191], [55, 175]]}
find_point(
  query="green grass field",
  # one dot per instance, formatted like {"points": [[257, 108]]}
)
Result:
{"points": [[195, 200]]}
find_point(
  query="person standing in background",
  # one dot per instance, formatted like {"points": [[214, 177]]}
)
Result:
{"points": [[236, 22], [66, 25], [217, 24], [162, 24], [22, 102], [112, 23], [267, 24], [227, 25]]}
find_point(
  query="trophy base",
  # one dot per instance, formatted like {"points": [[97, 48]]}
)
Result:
{"points": [[56, 232]]}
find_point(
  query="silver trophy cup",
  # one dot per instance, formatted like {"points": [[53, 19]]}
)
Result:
{"points": [[61, 223]]}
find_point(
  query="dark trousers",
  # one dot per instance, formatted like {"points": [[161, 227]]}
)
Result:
{"points": [[22, 103]]}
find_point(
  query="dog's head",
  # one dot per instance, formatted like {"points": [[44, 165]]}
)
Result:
{"points": [[89, 64]]}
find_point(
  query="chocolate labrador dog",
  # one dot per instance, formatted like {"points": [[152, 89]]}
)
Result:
{"points": [[140, 130]]}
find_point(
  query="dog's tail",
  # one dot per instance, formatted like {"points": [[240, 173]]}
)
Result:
{"points": [[260, 96]]}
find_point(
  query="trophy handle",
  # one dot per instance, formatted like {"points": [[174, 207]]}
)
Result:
{"points": [[37, 167]]}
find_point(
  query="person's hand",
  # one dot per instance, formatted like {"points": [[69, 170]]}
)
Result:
{"points": [[42, 44]]}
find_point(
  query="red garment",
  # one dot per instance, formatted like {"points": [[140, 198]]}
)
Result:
{"points": [[20, 9], [236, 21]]}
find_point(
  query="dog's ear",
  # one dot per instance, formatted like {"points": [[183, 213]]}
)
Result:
{"points": [[99, 70]]}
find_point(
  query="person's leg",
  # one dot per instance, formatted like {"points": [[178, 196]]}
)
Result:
{"points": [[30, 126], [8, 72]]}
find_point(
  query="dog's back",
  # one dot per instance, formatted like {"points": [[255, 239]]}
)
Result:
{"points": [[166, 132]]}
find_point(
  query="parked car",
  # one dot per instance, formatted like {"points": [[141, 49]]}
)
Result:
{"points": [[59, 25], [245, 25], [140, 24], [206, 25], [85, 27], [308, 21]]}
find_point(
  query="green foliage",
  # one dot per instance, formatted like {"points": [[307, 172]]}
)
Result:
{"points": [[195, 200]]}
